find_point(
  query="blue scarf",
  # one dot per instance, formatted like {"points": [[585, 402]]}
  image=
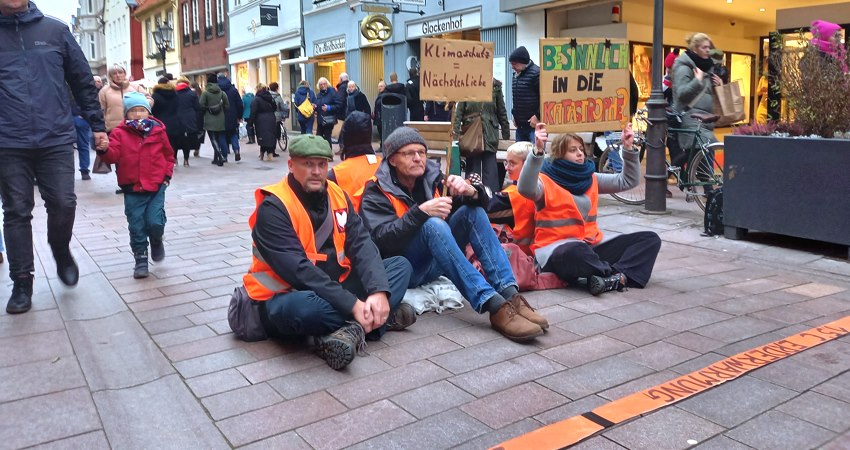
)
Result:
{"points": [[573, 177], [144, 125]]}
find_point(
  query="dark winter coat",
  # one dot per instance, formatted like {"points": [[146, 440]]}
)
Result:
{"points": [[144, 162], [493, 116], [302, 93], [233, 113], [213, 95], [38, 57], [328, 97], [165, 108], [526, 95], [342, 98], [414, 103], [263, 118], [187, 109], [357, 101], [436, 111]]}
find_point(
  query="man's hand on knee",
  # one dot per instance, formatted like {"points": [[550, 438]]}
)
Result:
{"points": [[379, 305], [363, 315]]}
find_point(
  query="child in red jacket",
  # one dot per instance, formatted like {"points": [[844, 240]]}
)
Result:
{"points": [[145, 163]]}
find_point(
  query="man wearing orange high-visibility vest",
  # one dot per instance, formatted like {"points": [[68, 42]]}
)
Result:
{"points": [[315, 272]]}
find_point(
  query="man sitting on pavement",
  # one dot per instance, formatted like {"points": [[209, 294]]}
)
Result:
{"points": [[315, 272], [359, 161], [404, 208]]}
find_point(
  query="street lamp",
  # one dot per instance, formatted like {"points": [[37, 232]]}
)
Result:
{"points": [[162, 36]]}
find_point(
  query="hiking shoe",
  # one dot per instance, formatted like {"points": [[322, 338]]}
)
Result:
{"points": [[525, 310], [338, 348], [613, 282], [403, 317], [21, 299], [512, 325], [157, 250], [141, 268]]}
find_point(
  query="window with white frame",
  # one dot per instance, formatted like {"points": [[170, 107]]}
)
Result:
{"points": [[92, 47], [184, 11], [219, 17], [150, 42], [169, 20], [196, 28], [208, 21]]}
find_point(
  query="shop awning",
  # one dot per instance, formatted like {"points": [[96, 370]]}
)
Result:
{"points": [[299, 60]]}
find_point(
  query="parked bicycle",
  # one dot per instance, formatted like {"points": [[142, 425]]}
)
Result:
{"points": [[699, 175], [283, 140]]}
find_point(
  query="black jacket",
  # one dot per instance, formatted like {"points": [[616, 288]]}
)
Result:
{"points": [[263, 118], [329, 97], [526, 95], [188, 109], [393, 234], [233, 114], [277, 242], [166, 109], [342, 98], [414, 103], [357, 101], [38, 56]]}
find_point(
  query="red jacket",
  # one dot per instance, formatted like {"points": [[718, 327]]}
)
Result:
{"points": [[143, 162]]}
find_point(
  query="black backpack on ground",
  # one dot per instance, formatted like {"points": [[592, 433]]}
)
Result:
{"points": [[713, 220]]}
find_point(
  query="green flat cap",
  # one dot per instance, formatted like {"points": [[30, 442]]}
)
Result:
{"points": [[310, 146], [716, 53]]}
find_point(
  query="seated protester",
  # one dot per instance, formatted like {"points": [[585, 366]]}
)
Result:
{"points": [[567, 240], [315, 272], [359, 161], [404, 208], [508, 207]]}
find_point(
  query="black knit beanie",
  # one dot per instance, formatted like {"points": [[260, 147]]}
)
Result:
{"points": [[520, 55]]}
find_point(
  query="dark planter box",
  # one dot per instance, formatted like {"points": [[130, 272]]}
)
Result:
{"points": [[795, 187]]}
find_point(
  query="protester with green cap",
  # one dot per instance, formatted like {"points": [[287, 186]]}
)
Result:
{"points": [[315, 272]]}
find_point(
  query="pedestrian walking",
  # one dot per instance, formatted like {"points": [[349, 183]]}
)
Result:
{"points": [[357, 101], [214, 103], [342, 94], [525, 90], [247, 99], [414, 102], [281, 112], [196, 89], [693, 87], [302, 94], [190, 129], [145, 161], [232, 117], [37, 139], [327, 106], [376, 111], [494, 116], [264, 121]]}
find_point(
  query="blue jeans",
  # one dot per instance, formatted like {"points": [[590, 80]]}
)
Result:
{"points": [[525, 134], [218, 140], [233, 138], [303, 313], [306, 125], [54, 169], [83, 142], [145, 213], [438, 250]]}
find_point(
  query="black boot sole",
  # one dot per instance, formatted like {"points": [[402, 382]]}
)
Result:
{"points": [[336, 353]]}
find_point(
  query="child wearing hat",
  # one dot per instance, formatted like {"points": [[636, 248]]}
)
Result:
{"points": [[145, 164]]}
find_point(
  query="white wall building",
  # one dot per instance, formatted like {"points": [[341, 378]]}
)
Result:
{"points": [[89, 30], [117, 33]]}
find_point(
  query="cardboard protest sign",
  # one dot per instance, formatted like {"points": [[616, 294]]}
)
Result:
{"points": [[455, 70], [584, 84]]}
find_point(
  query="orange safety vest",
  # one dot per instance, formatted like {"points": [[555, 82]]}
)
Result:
{"points": [[524, 211], [352, 174], [561, 219], [261, 282], [399, 205]]}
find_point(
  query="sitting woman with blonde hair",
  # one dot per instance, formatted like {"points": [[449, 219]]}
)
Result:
{"points": [[508, 207], [567, 241]]}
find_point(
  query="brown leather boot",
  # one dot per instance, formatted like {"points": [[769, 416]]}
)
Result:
{"points": [[512, 325], [525, 310]]}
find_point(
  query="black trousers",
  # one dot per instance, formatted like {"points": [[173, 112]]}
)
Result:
{"points": [[632, 254], [485, 164]]}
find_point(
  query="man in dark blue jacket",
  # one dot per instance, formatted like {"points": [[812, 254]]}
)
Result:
{"points": [[232, 115], [40, 56], [525, 93]]}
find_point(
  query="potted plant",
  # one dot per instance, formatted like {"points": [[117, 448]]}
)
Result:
{"points": [[791, 176]]}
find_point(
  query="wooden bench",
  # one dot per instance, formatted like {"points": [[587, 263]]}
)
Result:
{"points": [[438, 138]]}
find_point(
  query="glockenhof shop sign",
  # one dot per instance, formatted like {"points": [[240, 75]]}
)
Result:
{"points": [[443, 25], [333, 45]]}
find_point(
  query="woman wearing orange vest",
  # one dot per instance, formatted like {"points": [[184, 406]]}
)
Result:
{"points": [[510, 208], [567, 240], [359, 161]]}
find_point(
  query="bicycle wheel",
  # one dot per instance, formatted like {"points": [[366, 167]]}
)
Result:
{"points": [[634, 196], [283, 141], [704, 175]]}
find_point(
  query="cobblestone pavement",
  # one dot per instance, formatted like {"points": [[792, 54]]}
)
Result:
{"points": [[123, 363]]}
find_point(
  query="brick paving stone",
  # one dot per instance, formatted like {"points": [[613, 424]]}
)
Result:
{"points": [[841, 442], [694, 283], [95, 440], [213, 362], [34, 347], [826, 305], [820, 410], [668, 428], [169, 300], [46, 418], [287, 441], [267, 369], [660, 355], [695, 342], [240, 400], [690, 299], [638, 385], [96, 301], [220, 327], [272, 348], [786, 373], [142, 295], [775, 429], [189, 350], [590, 325], [480, 355], [639, 333], [165, 405], [511, 405], [557, 314], [554, 337], [653, 291], [276, 419], [165, 313], [198, 285], [737, 329], [166, 325], [470, 335], [689, 319], [355, 425], [321, 377], [502, 434], [216, 382], [591, 305], [833, 356], [735, 402], [838, 387], [490, 379], [388, 383], [573, 354], [721, 443], [636, 312], [39, 378], [426, 325], [698, 363], [129, 285], [115, 352], [214, 303], [183, 336], [441, 431], [758, 302], [407, 352], [758, 286], [594, 377], [432, 399], [786, 314], [597, 443], [31, 323], [208, 316], [816, 289], [570, 409]]}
